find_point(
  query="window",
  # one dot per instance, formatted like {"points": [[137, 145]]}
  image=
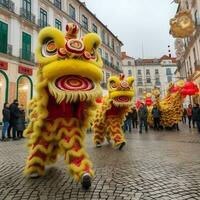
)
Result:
{"points": [[113, 44], [85, 22], [169, 79], [107, 76], [103, 36], [27, 6], [3, 37], [148, 80], [129, 63], [118, 49], [156, 71], [106, 56], [26, 46], [147, 72], [72, 12], [94, 28], [43, 18], [58, 24], [194, 53], [139, 81], [168, 71], [157, 81], [111, 60], [129, 72], [117, 64], [140, 90], [100, 51], [57, 3], [108, 40]]}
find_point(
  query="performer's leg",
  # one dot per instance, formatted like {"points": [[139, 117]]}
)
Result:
{"points": [[115, 132], [38, 157], [99, 135], [80, 167]]}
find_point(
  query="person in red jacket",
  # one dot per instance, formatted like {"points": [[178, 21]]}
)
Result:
{"points": [[189, 114]]}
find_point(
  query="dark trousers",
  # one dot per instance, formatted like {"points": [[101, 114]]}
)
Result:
{"points": [[156, 123], [14, 131], [189, 121], [127, 125], [184, 119], [198, 125], [143, 122], [135, 123]]}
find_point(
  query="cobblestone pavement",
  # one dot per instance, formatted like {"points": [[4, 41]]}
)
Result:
{"points": [[155, 165]]}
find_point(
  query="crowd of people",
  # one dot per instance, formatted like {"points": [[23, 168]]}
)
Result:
{"points": [[191, 116], [13, 119]]}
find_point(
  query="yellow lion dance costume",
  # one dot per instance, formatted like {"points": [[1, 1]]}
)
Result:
{"points": [[112, 111], [69, 76]]}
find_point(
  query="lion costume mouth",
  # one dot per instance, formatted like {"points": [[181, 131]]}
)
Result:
{"points": [[122, 101], [74, 83]]}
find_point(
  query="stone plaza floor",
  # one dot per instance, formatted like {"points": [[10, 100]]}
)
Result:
{"points": [[155, 165]]}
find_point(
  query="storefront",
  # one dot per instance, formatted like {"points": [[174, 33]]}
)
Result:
{"points": [[16, 82]]}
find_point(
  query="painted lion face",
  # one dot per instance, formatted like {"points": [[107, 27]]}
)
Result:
{"points": [[71, 66], [121, 90]]}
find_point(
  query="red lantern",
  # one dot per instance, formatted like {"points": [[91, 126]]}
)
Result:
{"points": [[148, 101]]}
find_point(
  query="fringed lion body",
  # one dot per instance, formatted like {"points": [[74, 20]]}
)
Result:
{"points": [[112, 111], [68, 83]]}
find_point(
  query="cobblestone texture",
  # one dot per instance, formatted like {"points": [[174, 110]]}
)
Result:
{"points": [[157, 165]]}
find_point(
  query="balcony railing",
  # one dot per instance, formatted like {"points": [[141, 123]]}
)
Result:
{"points": [[109, 64], [27, 55], [8, 4], [27, 15], [57, 5], [42, 23]]}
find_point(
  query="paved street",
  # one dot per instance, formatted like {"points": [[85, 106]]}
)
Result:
{"points": [[158, 165]]}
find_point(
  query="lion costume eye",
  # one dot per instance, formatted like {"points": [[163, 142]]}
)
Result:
{"points": [[49, 48], [113, 85]]}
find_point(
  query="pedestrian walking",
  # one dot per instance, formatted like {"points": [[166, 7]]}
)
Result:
{"points": [[143, 114], [14, 114], [198, 118], [189, 114], [20, 125], [184, 117], [134, 117], [128, 123], [6, 120], [195, 114], [156, 117]]}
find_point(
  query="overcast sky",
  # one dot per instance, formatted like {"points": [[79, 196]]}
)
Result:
{"points": [[138, 22]]}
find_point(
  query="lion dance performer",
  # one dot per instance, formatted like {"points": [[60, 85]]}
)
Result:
{"points": [[112, 111], [68, 83]]}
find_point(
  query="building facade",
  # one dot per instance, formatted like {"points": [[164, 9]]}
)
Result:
{"points": [[20, 22], [149, 73], [189, 61]]}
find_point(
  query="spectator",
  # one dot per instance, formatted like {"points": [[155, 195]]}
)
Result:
{"points": [[6, 120], [134, 117], [189, 114], [143, 114], [21, 122], [14, 115], [127, 123], [195, 114], [156, 117], [184, 115]]}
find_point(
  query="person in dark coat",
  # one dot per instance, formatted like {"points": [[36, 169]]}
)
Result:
{"points": [[143, 114], [14, 115], [21, 122], [6, 120], [156, 117], [134, 116], [127, 123], [195, 114]]}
